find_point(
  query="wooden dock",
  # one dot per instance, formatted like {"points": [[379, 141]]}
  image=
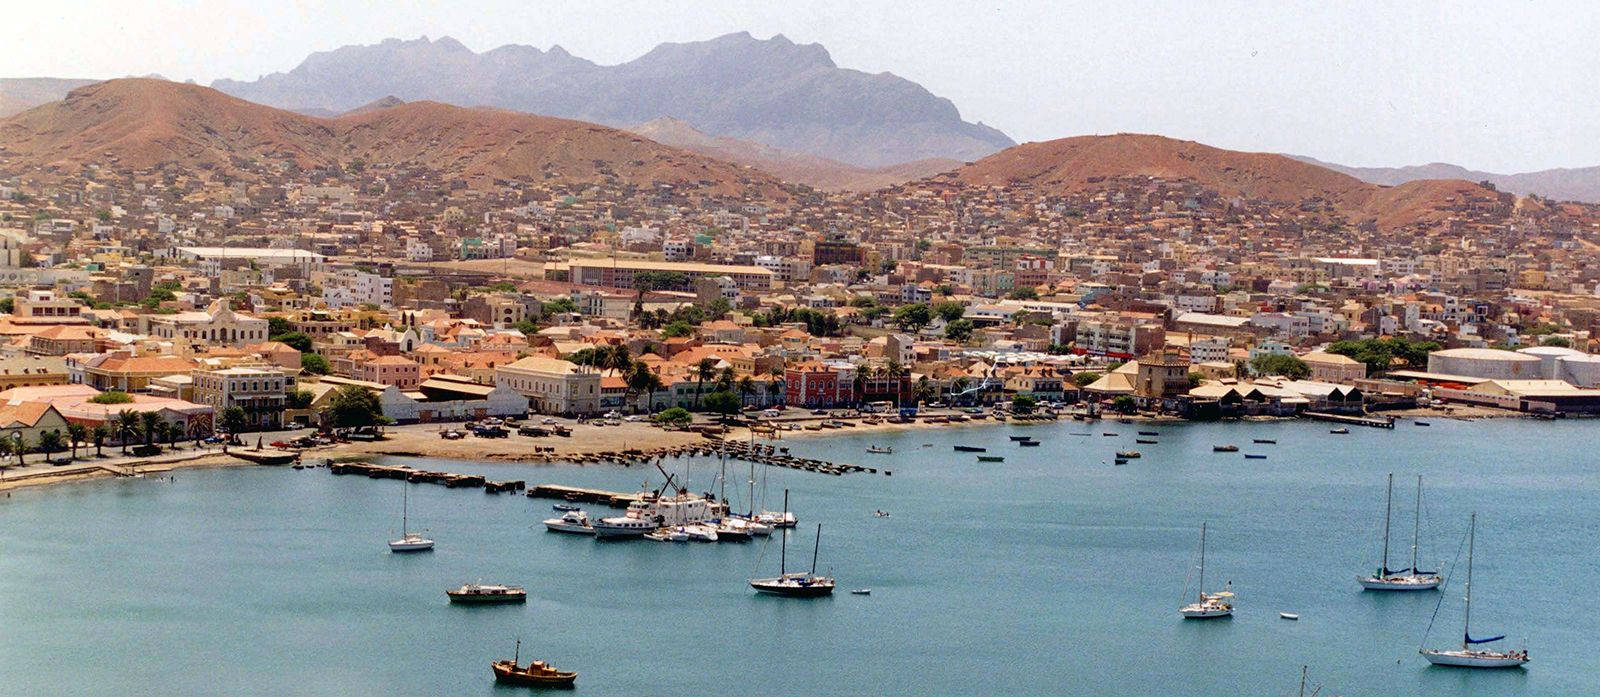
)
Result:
{"points": [[1372, 421], [416, 476], [577, 494]]}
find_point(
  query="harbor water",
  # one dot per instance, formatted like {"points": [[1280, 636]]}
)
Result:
{"points": [[1054, 572]]}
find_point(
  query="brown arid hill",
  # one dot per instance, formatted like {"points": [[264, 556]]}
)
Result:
{"points": [[788, 165], [136, 124], [1084, 162]]}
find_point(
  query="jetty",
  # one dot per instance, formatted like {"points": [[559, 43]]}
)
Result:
{"points": [[416, 476], [1354, 420]]}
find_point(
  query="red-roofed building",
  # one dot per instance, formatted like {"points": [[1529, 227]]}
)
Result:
{"points": [[814, 384]]}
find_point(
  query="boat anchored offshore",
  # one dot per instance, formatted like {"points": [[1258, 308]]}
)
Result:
{"points": [[536, 674], [487, 593], [1467, 656], [1208, 605], [1411, 579], [409, 541], [795, 585], [576, 522], [880, 449], [1224, 448]]}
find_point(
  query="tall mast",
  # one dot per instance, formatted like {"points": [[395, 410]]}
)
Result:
{"points": [[1388, 508], [783, 547], [816, 548], [750, 504], [1202, 562], [405, 509], [1416, 528], [1466, 622]]}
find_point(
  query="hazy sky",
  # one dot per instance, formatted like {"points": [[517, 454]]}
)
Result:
{"points": [[1504, 86]]}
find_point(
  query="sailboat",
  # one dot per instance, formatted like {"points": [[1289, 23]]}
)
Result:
{"points": [[1467, 656], [1208, 605], [409, 541], [1410, 579], [795, 585]]}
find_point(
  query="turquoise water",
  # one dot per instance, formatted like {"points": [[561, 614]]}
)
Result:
{"points": [[1050, 573]]}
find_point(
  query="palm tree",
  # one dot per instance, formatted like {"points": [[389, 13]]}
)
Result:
{"points": [[76, 434], [98, 435], [127, 426], [643, 380], [19, 446], [50, 442], [703, 371], [775, 386], [5, 450], [615, 358], [162, 431], [725, 380], [747, 389], [149, 421]]}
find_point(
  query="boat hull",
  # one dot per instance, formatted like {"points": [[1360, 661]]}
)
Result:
{"points": [[507, 676], [403, 546], [1206, 613], [789, 590], [557, 526], [1400, 583], [479, 599], [1475, 659], [606, 531]]}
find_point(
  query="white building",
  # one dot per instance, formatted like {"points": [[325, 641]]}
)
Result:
{"points": [[356, 288]]}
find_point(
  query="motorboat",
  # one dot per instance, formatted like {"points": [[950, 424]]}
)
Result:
{"points": [[535, 674], [573, 521], [487, 593], [667, 535], [698, 532], [861, 591], [880, 450], [1255, 457], [1267, 441], [1208, 605], [1339, 431], [563, 507], [1288, 616], [1468, 656], [729, 531], [1224, 448], [1127, 454], [409, 541], [1408, 579]]}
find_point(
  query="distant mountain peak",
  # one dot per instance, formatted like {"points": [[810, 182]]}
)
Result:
{"points": [[770, 91]]}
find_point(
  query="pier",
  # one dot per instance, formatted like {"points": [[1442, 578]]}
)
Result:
{"points": [[1372, 421], [448, 479]]}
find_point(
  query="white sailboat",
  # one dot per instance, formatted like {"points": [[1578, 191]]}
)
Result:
{"points": [[409, 541], [1409, 579], [1208, 605], [1467, 656]]}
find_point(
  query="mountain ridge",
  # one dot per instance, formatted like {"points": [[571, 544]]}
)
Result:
{"points": [[1560, 183]]}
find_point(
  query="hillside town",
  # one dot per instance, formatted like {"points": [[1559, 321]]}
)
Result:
{"points": [[242, 304]]}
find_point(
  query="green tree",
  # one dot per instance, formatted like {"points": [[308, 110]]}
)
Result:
{"points": [[278, 325], [559, 306], [746, 388], [1278, 364], [1124, 404], [98, 436], [959, 331], [314, 364], [703, 371], [299, 399], [234, 420], [127, 427], [913, 317], [50, 442], [677, 329], [950, 311], [1196, 379], [642, 380], [722, 402], [1023, 403], [296, 340], [1085, 378], [8, 305], [112, 397], [1023, 293], [76, 434], [1561, 341], [353, 406], [676, 417]]}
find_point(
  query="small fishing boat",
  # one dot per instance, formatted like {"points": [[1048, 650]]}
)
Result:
{"points": [[969, 449], [1288, 616], [536, 674], [1149, 433], [1339, 431], [1145, 441], [1120, 461], [1020, 438], [573, 521], [1421, 423], [1267, 441], [487, 593], [1127, 454], [1028, 443], [1254, 457], [991, 458], [563, 507], [1224, 448], [880, 450], [861, 591], [1109, 434]]}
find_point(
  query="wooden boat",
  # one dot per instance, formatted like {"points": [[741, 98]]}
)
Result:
{"points": [[970, 449], [1224, 448], [1108, 434], [1028, 443], [991, 458], [1339, 431], [536, 674], [1254, 457], [1145, 441], [1267, 441], [1149, 433], [1421, 423], [487, 594], [265, 457], [1120, 461], [1127, 454], [883, 450], [1020, 438]]}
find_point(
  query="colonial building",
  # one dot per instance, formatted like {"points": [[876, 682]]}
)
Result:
{"points": [[217, 324], [260, 392], [552, 385]]}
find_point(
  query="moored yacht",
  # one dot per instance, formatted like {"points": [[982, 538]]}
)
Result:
{"points": [[409, 541], [1468, 656], [1409, 579], [795, 585], [1208, 605]]}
